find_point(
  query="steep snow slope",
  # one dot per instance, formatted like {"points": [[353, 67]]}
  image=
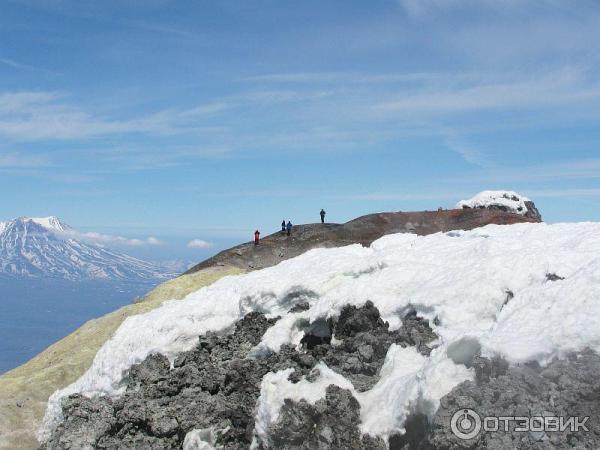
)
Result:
{"points": [[48, 247], [524, 291], [51, 223]]}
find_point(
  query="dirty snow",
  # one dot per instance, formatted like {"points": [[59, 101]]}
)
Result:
{"points": [[463, 278]]}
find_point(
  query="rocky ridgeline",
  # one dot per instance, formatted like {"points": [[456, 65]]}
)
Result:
{"points": [[217, 385], [364, 230]]}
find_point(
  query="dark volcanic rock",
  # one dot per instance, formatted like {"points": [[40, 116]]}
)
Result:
{"points": [[216, 386], [363, 341], [532, 211], [331, 423], [213, 385], [566, 388]]}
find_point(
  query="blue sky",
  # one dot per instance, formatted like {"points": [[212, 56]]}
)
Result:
{"points": [[206, 120]]}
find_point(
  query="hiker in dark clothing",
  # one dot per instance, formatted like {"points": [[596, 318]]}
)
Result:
{"points": [[283, 226], [322, 215], [256, 237], [288, 227]]}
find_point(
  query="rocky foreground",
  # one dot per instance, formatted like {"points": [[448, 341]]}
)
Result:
{"points": [[215, 388], [208, 399]]}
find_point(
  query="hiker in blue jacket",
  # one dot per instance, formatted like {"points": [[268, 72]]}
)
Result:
{"points": [[288, 227]]}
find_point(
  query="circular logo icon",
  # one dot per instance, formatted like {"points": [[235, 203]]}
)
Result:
{"points": [[465, 424]]}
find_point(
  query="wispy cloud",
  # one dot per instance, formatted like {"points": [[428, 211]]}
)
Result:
{"points": [[165, 29], [421, 8], [297, 77], [108, 239], [14, 64], [561, 193], [353, 77], [21, 161], [410, 196], [567, 86], [199, 243], [34, 116], [468, 152], [569, 170], [369, 112]]}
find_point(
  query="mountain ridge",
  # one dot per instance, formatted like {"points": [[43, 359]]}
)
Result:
{"points": [[363, 230]]}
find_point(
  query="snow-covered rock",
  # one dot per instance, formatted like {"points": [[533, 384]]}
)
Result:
{"points": [[47, 247], [503, 200], [487, 290]]}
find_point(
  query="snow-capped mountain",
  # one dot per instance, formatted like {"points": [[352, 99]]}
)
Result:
{"points": [[47, 247]]}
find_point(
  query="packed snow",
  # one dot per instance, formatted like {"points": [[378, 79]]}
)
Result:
{"points": [[50, 223], [488, 288], [507, 199]]}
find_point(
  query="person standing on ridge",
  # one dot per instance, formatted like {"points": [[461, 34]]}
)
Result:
{"points": [[283, 226], [256, 237], [322, 213], [288, 227]]}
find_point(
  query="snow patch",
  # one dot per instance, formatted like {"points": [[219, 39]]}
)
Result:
{"points": [[409, 383], [275, 388], [505, 199], [200, 439]]}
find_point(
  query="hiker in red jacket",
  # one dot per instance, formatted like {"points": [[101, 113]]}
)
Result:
{"points": [[256, 237]]}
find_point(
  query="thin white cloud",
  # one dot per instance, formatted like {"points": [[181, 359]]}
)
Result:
{"points": [[564, 87], [420, 8], [199, 243], [561, 193], [409, 196], [21, 161], [455, 196], [581, 169], [468, 152], [14, 64], [352, 77], [34, 116], [108, 239], [297, 77]]}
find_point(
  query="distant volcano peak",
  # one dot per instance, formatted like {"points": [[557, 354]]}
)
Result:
{"points": [[47, 247]]}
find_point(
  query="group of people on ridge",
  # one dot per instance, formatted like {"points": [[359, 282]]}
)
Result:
{"points": [[286, 227]]}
